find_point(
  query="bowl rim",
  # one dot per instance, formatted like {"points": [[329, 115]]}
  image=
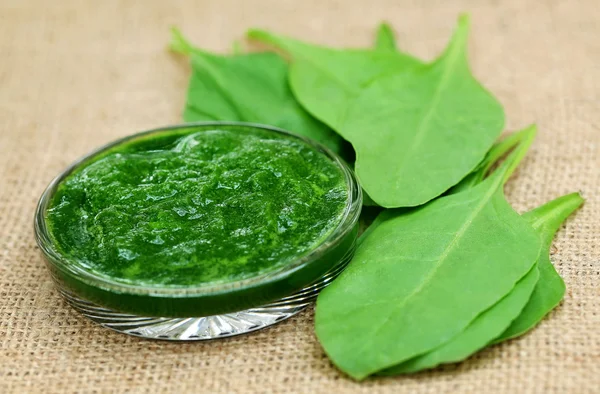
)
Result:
{"points": [[58, 260]]}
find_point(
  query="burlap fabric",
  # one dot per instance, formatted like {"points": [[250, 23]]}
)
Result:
{"points": [[76, 74]]}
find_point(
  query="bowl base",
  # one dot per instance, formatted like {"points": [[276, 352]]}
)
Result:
{"points": [[185, 328], [205, 327]]}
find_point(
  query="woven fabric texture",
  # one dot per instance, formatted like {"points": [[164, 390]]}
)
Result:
{"points": [[75, 74]]}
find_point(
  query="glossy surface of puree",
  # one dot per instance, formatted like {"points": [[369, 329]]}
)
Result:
{"points": [[197, 207]]}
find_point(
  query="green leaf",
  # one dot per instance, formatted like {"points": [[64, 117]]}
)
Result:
{"points": [[247, 87], [385, 38], [422, 275], [531, 297], [548, 293], [325, 80], [418, 132], [498, 150], [497, 318], [479, 333]]}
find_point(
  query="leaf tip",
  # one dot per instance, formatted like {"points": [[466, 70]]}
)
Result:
{"points": [[263, 36], [459, 40], [462, 30], [530, 132], [464, 19], [278, 41], [178, 43], [385, 37], [256, 34], [385, 27], [577, 198]]}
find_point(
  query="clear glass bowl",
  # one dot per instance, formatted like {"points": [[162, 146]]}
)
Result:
{"points": [[204, 311]]}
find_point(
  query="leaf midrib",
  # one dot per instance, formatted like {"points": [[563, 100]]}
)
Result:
{"points": [[450, 62]]}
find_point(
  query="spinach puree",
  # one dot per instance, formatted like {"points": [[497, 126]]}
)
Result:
{"points": [[197, 207]]}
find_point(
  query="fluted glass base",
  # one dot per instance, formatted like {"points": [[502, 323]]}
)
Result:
{"points": [[205, 327]]}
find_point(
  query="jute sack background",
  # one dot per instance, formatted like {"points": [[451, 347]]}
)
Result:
{"points": [[77, 74]]}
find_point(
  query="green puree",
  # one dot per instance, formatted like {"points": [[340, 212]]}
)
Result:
{"points": [[197, 207]]}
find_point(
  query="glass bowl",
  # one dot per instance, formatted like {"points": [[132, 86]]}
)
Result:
{"points": [[202, 311]]}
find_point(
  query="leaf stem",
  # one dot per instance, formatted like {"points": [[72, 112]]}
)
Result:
{"points": [[506, 169], [550, 216]]}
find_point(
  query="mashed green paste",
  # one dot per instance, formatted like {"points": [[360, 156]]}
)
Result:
{"points": [[197, 207]]}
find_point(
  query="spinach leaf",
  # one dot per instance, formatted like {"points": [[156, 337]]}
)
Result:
{"points": [[325, 80], [550, 289], [498, 150], [480, 331], [531, 297], [418, 132], [385, 39], [422, 275], [247, 87]]}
